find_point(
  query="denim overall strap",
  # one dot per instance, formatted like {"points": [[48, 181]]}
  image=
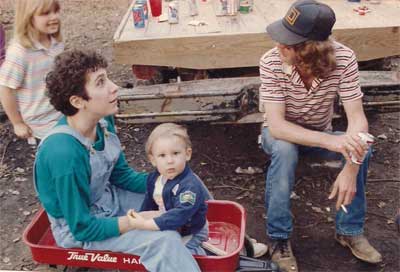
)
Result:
{"points": [[104, 195], [65, 129], [59, 226]]}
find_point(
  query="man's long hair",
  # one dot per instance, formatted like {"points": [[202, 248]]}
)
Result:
{"points": [[315, 58]]}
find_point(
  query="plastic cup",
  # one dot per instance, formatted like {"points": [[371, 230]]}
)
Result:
{"points": [[155, 7]]}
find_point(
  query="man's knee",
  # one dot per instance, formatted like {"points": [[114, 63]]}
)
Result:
{"points": [[285, 150]]}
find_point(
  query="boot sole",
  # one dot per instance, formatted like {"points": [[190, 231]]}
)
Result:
{"points": [[277, 261], [345, 244]]}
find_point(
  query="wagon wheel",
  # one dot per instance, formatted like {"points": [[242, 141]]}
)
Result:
{"points": [[247, 249]]}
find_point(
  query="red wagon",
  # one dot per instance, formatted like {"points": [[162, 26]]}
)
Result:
{"points": [[227, 232]]}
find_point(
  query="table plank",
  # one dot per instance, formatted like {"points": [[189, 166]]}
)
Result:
{"points": [[240, 41]]}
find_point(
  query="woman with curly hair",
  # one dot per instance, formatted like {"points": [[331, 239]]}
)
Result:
{"points": [[82, 177]]}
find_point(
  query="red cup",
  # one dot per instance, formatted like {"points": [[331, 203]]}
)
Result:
{"points": [[155, 6]]}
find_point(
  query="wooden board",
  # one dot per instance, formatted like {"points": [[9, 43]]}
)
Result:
{"points": [[224, 100], [240, 41]]}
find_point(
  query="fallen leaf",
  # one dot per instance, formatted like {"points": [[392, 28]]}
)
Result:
{"points": [[18, 179], [317, 209], [382, 137], [381, 204], [20, 170], [294, 196]]}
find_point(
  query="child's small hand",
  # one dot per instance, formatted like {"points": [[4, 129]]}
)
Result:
{"points": [[22, 130], [150, 214], [131, 213], [135, 219]]}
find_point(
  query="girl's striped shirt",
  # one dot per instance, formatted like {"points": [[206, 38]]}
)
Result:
{"points": [[24, 70]]}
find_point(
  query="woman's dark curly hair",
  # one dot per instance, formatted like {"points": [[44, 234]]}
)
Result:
{"points": [[69, 76]]}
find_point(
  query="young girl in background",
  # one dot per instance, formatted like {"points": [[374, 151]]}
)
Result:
{"points": [[29, 57]]}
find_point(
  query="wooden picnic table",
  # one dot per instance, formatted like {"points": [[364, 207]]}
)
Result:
{"points": [[240, 40]]}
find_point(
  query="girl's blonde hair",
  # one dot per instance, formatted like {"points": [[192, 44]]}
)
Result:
{"points": [[24, 31], [167, 130], [317, 58]]}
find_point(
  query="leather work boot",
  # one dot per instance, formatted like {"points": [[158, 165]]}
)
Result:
{"points": [[360, 247], [282, 254]]}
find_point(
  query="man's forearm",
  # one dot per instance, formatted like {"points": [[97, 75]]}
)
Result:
{"points": [[355, 127], [357, 121], [290, 132], [351, 168], [7, 99]]}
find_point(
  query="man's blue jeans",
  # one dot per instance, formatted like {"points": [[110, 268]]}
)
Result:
{"points": [[280, 181]]}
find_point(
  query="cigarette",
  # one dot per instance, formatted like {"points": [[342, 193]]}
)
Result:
{"points": [[344, 208]]}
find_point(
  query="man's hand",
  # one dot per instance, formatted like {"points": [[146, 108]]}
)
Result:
{"points": [[345, 185], [347, 144], [22, 130]]}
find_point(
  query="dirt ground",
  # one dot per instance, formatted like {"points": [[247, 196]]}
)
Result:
{"points": [[218, 151]]}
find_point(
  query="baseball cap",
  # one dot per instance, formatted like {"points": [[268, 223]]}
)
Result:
{"points": [[305, 20]]}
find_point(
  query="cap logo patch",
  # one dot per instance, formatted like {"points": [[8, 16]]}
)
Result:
{"points": [[292, 16]]}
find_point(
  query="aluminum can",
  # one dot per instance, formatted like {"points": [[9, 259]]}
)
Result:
{"points": [[367, 139], [145, 7], [138, 16], [233, 7], [223, 7], [193, 10], [173, 12], [245, 6]]}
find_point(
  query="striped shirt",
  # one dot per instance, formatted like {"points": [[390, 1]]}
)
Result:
{"points": [[313, 108], [24, 70]]}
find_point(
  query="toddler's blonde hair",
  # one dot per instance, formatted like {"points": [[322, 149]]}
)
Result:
{"points": [[167, 130], [24, 31]]}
